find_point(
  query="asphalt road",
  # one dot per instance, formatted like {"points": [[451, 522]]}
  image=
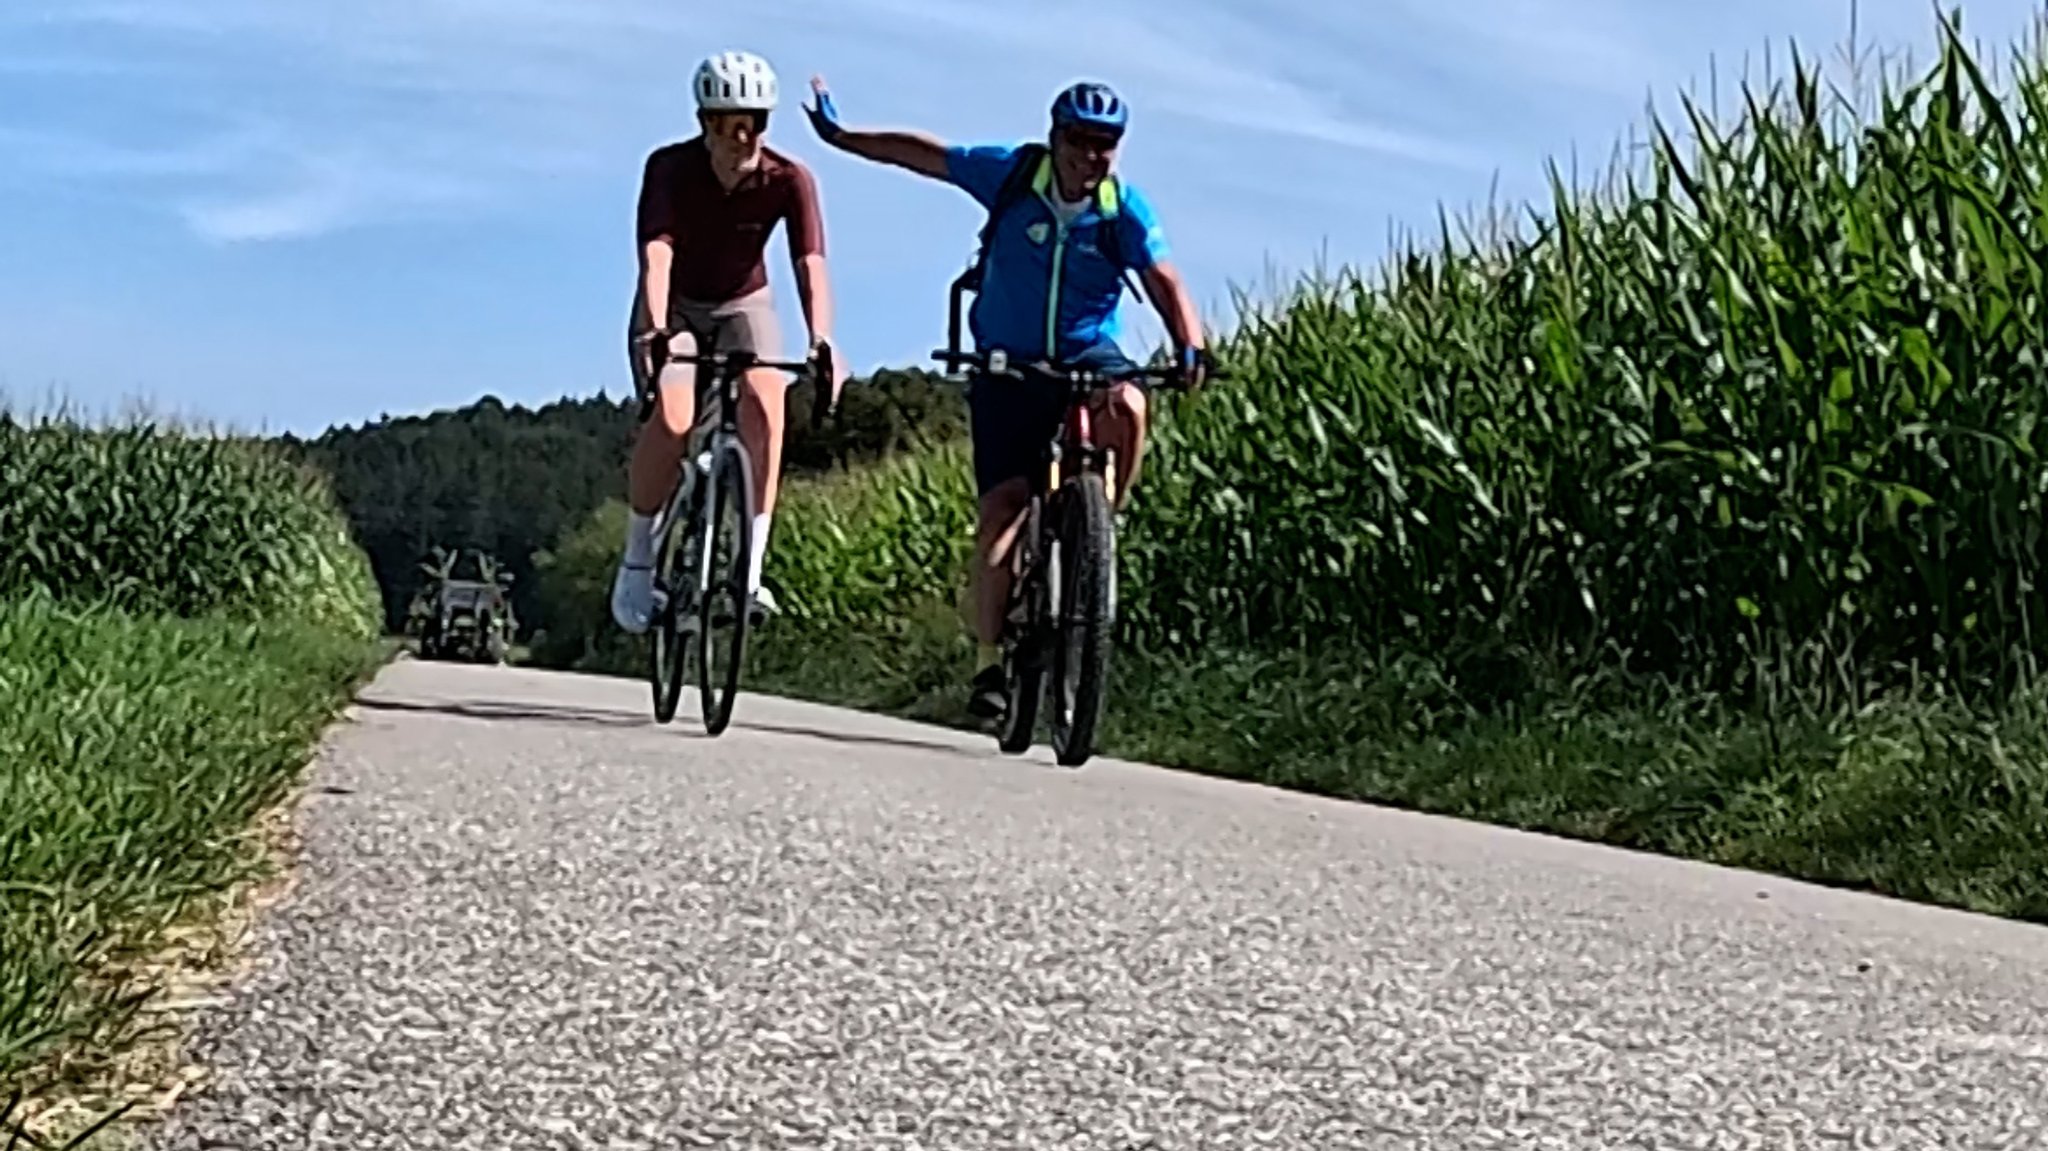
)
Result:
{"points": [[530, 918]]}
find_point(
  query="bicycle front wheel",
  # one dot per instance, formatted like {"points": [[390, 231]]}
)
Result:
{"points": [[727, 533], [1084, 617], [675, 572]]}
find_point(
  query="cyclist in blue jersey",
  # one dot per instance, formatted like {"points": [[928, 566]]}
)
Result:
{"points": [[1062, 234]]}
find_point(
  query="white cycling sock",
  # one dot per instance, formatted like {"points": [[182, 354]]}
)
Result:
{"points": [[639, 539], [759, 548]]}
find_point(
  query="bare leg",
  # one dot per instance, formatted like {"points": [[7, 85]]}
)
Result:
{"points": [[1002, 517], [658, 451], [651, 479], [1120, 423], [763, 399]]}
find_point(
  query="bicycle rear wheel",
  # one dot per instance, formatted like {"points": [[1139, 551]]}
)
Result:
{"points": [[675, 573], [1083, 618], [722, 602]]}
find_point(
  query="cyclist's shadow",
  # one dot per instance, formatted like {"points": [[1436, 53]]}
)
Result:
{"points": [[486, 709], [597, 717], [854, 738]]}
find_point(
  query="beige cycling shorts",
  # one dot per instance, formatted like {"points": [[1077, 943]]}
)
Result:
{"points": [[746, 322]]}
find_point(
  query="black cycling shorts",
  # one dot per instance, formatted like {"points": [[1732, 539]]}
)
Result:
{"points": [[1012, 421]]}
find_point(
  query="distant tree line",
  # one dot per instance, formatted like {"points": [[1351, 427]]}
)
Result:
{"points": [[510, 481]]}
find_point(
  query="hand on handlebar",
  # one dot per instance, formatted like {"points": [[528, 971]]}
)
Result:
{"points": [[1195, 367], [652, 348], [826, 377]]}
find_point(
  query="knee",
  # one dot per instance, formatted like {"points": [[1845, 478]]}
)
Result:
{"points": [[764, 393], [1122, 409], [1128, 402], [1001, 507], [672, 410]]}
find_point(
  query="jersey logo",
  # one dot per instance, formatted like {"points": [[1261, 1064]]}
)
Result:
{"points": [[1038, 232]]}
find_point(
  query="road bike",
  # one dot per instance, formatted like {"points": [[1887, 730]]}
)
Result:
{"points": [[700, 586], [1061, 608]]}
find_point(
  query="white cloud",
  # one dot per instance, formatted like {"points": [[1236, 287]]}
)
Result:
{"points": [[259, 119], [1593, 45], [314, 116], [1200, 63], [307, 211]]}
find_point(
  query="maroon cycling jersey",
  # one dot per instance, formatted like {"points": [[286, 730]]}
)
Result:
{"points": [[720, 235]]}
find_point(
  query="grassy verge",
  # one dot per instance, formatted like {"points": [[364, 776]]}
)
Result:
{"points": [[140, 749], [1917, 797], [180, 616]]}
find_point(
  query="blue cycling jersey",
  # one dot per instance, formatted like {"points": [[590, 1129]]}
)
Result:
{"points": [[1051, 290]]}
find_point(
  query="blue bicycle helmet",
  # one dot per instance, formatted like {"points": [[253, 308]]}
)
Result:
{"points": [[1096, 105]]}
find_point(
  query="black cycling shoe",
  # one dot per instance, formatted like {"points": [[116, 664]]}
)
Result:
{"points": [[988, 694]]}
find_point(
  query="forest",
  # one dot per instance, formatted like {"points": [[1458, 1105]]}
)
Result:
{"points": [[510, 481]]}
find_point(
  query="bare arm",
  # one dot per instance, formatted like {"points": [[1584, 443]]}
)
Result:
{"points": [[655, 225], [1175, 306], [814, 290], [919, 152], [806, 223], [657, 257]]}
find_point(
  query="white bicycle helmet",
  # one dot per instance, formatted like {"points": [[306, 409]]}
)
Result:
{"points": [[735, 82]]}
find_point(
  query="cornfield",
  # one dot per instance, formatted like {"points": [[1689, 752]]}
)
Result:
{"points": [[1778, 404], [853, 550], [153, 521]]}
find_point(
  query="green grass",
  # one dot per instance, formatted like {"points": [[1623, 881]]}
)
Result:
{"points": [[180, 616], [138, 749]]}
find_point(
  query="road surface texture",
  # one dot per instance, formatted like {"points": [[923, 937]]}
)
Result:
{"points": [[530, 918]]}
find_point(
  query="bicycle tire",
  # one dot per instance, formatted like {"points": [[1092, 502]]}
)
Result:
{"points": [[1023, 655], [674, 569], [1086, 617], [724, 584]]}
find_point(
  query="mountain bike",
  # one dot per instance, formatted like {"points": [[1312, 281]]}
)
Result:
{"points": [[700, 586], [1061, 609]]}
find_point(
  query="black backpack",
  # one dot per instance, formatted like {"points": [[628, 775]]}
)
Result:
{"points": [[1015, 186]]}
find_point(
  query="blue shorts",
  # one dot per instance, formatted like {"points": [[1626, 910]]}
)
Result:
{"points": [[1012, 421]]}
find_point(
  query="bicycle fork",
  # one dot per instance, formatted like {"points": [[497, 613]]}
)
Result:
{"points": [[688, 503]]}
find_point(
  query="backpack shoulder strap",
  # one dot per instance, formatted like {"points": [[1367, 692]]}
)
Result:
{"points": [[1016, 185], [1118, 220], [1024, 172]]}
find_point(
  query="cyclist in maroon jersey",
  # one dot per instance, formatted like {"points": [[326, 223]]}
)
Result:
{"points": [[707, 206]]}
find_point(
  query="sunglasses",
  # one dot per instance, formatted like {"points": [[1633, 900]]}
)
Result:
{"points": [[730, 123], [1091, 140]]}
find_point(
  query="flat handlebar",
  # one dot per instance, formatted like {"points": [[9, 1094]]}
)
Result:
{"points": [[743, 361], [999, 363], [817, 369]]}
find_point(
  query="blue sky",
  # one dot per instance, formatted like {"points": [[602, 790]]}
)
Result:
{"points": [[283, 214]]}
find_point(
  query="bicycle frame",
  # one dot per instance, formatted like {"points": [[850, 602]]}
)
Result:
{"points": [[727, 370], [691, 518]]}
